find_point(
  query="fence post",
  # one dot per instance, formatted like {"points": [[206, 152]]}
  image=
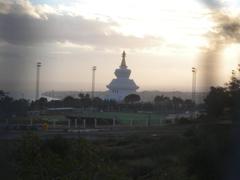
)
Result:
{"points": [[95, 122], [114, 122], [76, 123], [54, 123], [147, 123], [84, 123], [149, 120], [69, 123], [131, 123]]}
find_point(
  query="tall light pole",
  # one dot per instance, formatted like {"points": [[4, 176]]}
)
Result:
{"points": [[94, 68], [39, 64], [194, 84]]}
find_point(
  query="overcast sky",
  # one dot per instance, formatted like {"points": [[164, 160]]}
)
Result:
{"points": [[163, 41]]}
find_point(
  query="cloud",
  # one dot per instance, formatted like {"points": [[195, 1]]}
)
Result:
{"points": [[225, 32], [31, 33], [228, 27], [212, 4], [22, 23], [24, 7]]}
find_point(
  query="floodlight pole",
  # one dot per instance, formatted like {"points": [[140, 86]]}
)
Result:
{"points": [[194, 84], [39, 64], [94, 68]]}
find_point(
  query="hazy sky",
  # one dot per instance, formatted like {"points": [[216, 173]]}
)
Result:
{"points": [[163, 41]]}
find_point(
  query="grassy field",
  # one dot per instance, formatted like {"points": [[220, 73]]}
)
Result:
{"points": [[121, 117], [127, 117]]}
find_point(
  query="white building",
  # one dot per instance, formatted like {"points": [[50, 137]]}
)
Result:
{"points": [[122, 86]]}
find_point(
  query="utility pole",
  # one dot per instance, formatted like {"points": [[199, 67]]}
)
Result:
{"points": [[39, 64], [194, 84], [94, 68]]}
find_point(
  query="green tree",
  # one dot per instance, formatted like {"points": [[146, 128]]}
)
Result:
{"points": [[97, 102], [86, 101], [132, 98], [233, 88], [20, 107], [159, 99], [177, 103], [216, 101], [2, 94], [234, 84], [188, 104], [6, 106], [69, 101], [163, 103], [81, 95]]}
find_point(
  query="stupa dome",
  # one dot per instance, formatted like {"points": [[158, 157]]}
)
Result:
{"points": [[122, 86]]}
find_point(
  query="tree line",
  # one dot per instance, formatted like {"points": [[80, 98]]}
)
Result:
{"points": [[132, 103]]}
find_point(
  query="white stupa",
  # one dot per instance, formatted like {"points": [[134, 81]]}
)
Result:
{"points": [[122, 86]]}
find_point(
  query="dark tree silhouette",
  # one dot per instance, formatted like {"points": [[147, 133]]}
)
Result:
{"points": [[10, 106], [6, 106], [216, 101], [177, 103], [132, 98], [81, 95], [20, 107], [69, 101], [159, 99], [39, 104]]}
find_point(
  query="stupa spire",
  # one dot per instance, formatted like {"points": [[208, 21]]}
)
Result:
{"points": [[123, 63], [121, 86]]}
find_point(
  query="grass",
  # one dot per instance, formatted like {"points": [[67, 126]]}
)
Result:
{"points": [[6, 165], [125, 118]]}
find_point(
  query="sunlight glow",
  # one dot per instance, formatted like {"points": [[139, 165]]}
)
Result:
{"points": [[231, 59]]}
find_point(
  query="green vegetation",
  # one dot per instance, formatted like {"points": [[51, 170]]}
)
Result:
{"points": [[222, 101], [126, 111], [125, 118], [132, 98], [60, 158], [196, 155], [10, 106]]}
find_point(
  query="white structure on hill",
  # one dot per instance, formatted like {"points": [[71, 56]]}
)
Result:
{"points": [[122, 86]]}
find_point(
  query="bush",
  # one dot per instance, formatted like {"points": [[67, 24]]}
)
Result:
{"points": [[183, 121]]}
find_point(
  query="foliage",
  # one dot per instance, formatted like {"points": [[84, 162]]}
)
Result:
{"points": [[132, 98], [201, 153], [216, 101], [12, 107], [162, 104], [59, 158], [209, 151], [222, 100]]}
